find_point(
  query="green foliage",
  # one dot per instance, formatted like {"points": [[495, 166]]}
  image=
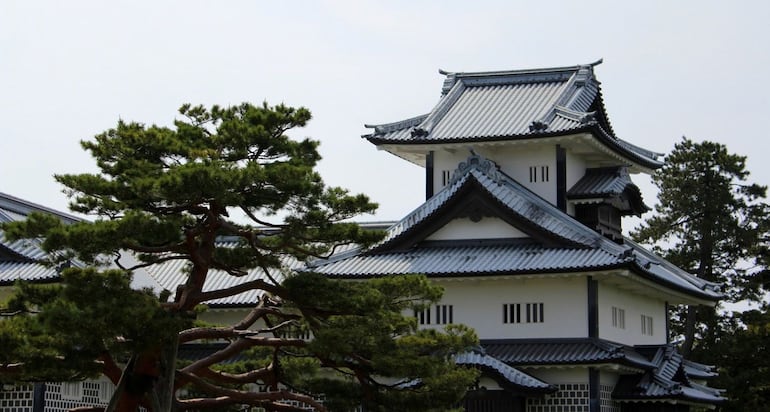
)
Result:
{"points": [[360, 329], [168, 193], [61, 329], [745, 367], [712, 223], [709, 220]]}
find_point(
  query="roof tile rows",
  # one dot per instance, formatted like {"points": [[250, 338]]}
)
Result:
{"points": [[470, 259], [670, 379], [579, 248], [19, 259], [512, 376], [490, 106], [536, 352], [665, 375], [601, 182]]}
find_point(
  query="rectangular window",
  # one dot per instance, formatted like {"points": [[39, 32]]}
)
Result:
{"points": [[439, 314], [446, 176], [531, 313], [543, 176], [646, 325], [423, 316], [618, 318], [444, 314]]}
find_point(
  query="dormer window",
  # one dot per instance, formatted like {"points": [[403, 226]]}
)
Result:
{"points": [[603, 218]]}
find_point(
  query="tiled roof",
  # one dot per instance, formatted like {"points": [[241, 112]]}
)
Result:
{"points": [[514, 378], [669, 380], [567, 351], [10, 272], [19, 208], [572, 246], [465, 258], [516, 198], [609, 183], [503, 105], [18, 259], [698, 370], [655, 267], [601, 181]]}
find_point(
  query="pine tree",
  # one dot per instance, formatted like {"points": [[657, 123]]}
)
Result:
{"points": [[710, 222], [742, 351], [167, 194]]}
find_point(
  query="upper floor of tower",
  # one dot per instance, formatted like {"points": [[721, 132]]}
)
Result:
{"points": [[546, 128]]}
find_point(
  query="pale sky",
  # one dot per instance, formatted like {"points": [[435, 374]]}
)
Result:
{"points": [[71, 69]]}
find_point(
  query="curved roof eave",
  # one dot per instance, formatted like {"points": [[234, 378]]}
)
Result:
{"points": [[701, 295], [694, 291], [643, 157]]}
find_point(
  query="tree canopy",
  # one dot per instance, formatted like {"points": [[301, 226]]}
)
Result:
{"points": [[713, 223], [166, 194]]}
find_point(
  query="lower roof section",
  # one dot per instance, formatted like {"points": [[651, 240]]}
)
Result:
{"points": [[663, 375], [564, 351], [671, 380], [507, 376]]}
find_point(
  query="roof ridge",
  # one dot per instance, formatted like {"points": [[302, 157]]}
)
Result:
{"points": [[568, 94], [520, 71], [448, 99], [681, 273]]}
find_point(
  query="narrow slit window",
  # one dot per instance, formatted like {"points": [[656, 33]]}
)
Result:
{"points": [[446, 176], [423, 316], [618, 318], [539, 174], [647, 325], [444, 314]]}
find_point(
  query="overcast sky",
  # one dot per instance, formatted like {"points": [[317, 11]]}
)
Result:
{"points": [[71, 69]]}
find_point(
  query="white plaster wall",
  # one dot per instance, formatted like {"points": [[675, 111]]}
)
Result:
{"points": [[635, 306], [560, 375], [446, 160], [514, 161], [488, 383], [608, 378], [479, 304], [486, 228], [576, 169]]}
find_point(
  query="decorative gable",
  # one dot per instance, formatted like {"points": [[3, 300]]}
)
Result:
{"points": [[478, 190]]}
